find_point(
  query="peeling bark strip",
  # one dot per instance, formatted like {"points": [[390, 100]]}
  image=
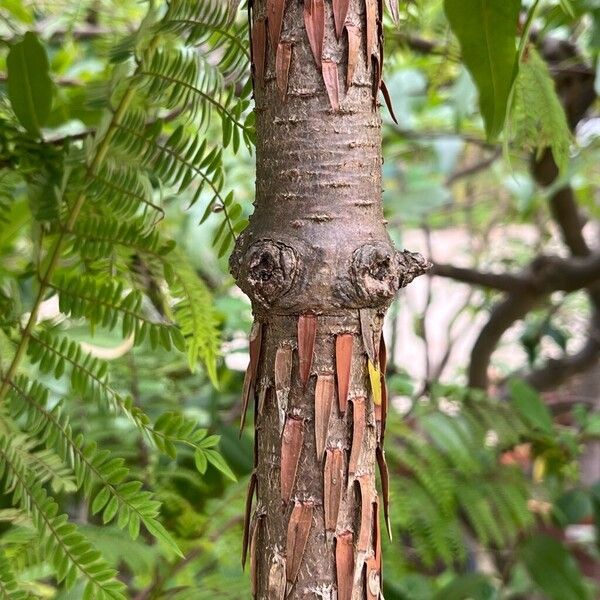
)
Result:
{"points": [[249, 498], [333, 485], [324, 393], [340, 11], [331, 79], [359, 423], [256, 530], [250, 377], [343, 367], [373, 570], [381, 411], [277, 578], [291, 448], [297, 537], [353, 33], [367, 333], [372, 13], [388, 101], [320, 269], [314, 22], [344, 564], [283, 380], [275, 10], [282, 67], [385, 488], [259, 50], [307, 331]]}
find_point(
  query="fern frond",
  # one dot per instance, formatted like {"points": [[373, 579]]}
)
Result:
{"points": [[89, 378], [184, 79], [9, 587], [117, 497], [107, 303], [123, 192], [177, 161], [68, 551], [195, 314], [539, 120], [209, 24]]}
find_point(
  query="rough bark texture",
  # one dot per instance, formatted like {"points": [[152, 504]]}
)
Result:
{"points": [[319, 267]]}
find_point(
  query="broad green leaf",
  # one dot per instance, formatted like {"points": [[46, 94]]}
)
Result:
{"points": [[29, 84], [553, 569], [529, 404], [487, 31]]}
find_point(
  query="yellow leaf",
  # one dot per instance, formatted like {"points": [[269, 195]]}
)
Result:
{"points": [[375, 377]]}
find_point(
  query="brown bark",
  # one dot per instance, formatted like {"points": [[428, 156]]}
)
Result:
{"points": [[320, 270]]}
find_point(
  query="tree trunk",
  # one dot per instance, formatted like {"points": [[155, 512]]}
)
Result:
{"points": [[320, 270]]}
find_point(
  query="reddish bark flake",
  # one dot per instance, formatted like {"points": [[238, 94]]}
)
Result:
{"points": [[344, 565], [367, 493], [249, 498], [251, 371], [385, 487], [259, 49], [291, 448], [343, 366], [307, 332], [314, 23], [298, 531], [275, 10], [283, 60], [333, 486], [340, 11], [353, 33], [324, 393], [373, 574], [371, 26], [359, 422], [388, 101], [329, 69], [283, 380], [277, 578]]}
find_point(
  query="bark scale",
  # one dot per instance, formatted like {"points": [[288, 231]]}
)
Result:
{"points": [[320, 270]]}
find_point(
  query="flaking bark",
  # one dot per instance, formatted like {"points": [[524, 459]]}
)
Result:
{"points": [[320, 270]]}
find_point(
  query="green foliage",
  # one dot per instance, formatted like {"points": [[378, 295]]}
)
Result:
{"points": [[97, 203], [450, 475], [486, 30]]}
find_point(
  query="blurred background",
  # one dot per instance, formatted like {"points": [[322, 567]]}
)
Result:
{"points": [[494, 431]]}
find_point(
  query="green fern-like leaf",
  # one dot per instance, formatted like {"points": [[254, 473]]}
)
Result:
{"points": [[539, 120], [9, 587], [71, 555], [117, 497]]}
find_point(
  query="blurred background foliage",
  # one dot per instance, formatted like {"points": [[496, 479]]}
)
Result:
{"points": [[495, 491]]}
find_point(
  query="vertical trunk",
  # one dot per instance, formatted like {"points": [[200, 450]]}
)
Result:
{"points": [[320, 270]]}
